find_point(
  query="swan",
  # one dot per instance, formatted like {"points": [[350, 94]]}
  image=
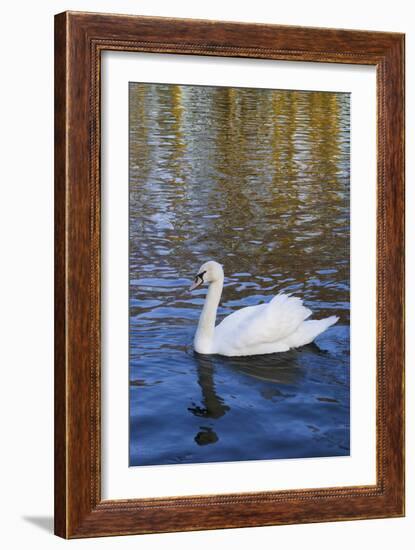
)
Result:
{"points": [[276, 326]]}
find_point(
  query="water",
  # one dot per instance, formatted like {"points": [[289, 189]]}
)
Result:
{"points": [[257, 180]]}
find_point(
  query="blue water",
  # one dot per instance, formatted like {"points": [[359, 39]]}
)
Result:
{"points": [[259, 181]]}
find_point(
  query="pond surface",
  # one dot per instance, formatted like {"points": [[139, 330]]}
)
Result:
{"points": [[257, 180]]}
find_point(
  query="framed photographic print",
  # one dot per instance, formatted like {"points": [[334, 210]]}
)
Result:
{"points": [[229, 340]]}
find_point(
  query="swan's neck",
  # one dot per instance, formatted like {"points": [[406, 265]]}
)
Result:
{"points": [[206, 328]]}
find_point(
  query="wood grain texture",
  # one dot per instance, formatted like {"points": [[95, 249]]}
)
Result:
{"points": [[79, 40], [60, 277]]}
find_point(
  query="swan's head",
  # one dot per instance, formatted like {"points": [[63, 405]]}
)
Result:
{"points": [[209, 272]]}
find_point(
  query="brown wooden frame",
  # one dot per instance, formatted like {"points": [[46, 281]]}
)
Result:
{"points": [[79, 40]]}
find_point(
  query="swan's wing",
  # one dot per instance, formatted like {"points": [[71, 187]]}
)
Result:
{"points": [[240, 317], [265, 323]]}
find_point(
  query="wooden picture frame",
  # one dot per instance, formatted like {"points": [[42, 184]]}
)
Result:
{"points": [[79, 40]]}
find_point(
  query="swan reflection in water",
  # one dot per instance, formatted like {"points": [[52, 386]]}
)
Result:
{"points": [[213, 405], [275, 369]]}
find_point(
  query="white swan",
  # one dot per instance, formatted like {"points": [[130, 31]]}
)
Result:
{"points": [[274, 327]]}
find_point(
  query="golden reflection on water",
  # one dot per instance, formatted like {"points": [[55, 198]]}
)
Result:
{"points": [[256, 179]]}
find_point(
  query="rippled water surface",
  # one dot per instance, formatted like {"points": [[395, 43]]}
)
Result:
{"points": [[257, 180]]}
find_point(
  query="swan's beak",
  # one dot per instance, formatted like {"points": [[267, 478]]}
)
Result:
{"points": [[198, 281]]}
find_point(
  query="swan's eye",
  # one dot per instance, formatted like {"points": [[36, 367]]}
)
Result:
{"points": [[198, 281]]}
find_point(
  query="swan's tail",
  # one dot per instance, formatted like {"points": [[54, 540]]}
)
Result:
{"points": [[309, 330]]}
